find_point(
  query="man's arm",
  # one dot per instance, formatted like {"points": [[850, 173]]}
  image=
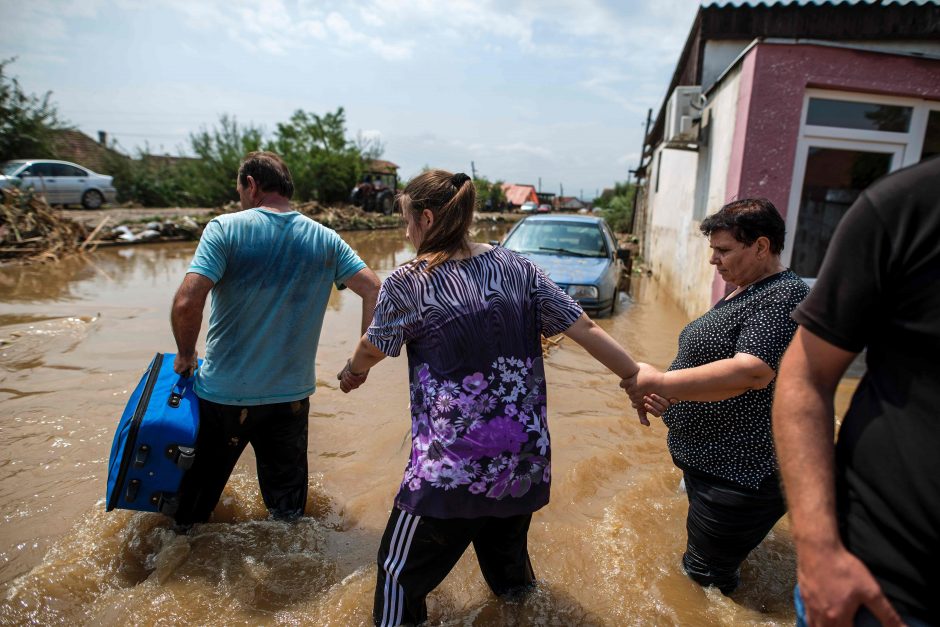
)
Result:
{"points": [[833, 582], [366, 284], [186, 319]]}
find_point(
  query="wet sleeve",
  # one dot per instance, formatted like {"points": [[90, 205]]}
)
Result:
{"points": [[844, 304], [396, 317], [768, 330], [557, 310], [211, 253], [348, 262]]}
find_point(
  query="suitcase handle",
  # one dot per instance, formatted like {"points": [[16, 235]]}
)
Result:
{"points": [[178, 391]]}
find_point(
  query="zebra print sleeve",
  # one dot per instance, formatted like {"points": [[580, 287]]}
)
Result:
{"points": [[557, 310], [396, 315]]}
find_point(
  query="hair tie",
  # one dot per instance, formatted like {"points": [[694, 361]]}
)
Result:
{"points": [[459, 179]]}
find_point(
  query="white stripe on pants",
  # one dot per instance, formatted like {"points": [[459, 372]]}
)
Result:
{"points": [[397, 554]]}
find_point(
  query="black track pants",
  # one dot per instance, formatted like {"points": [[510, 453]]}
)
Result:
{"points": [[417, 552], [278, 435]]}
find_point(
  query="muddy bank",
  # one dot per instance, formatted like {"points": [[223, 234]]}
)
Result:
{"points": [[33, 231]]}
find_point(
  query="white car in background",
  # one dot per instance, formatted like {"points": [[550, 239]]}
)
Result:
{"points": [[61, 182]]}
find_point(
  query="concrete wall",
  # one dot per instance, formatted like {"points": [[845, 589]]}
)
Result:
{"points": [[677, 252], [674, 244]]}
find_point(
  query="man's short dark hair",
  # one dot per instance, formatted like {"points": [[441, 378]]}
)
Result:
{"points": [[269, 171], [748, 219]]}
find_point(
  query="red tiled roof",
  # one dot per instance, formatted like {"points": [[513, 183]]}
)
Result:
{"points": [[518, 194]]}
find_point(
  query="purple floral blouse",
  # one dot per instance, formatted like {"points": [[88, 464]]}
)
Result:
{"points": [[479, 434]]}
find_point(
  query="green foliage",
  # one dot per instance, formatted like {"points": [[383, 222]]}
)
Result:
{"points": [[490, 195], [209, 180], [618, 206], [619, 189], [324, 164], [149, 181], [27, 122]]}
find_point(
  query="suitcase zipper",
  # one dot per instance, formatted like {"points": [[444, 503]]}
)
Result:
{"points": [[134, 428]]}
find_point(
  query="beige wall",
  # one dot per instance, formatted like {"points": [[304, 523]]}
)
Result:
{"points": [[676, 251]]}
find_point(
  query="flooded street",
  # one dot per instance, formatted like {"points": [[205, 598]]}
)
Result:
{"points": [[76, 338]]}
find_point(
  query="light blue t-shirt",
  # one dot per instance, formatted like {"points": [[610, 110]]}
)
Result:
{"points": [[273, 273]]}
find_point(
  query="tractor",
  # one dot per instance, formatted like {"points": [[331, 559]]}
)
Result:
{"points": [[376, 191]]}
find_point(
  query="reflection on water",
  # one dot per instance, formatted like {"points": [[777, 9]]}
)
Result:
{"points": [[74, 339]]}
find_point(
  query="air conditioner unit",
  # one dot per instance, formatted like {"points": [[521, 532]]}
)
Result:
{"points": [[680, 112]]}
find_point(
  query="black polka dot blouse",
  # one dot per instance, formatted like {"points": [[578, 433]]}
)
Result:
{"points": [[731, 439]]}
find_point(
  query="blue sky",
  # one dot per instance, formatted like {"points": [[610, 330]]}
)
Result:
{"points": [[525, 89]]}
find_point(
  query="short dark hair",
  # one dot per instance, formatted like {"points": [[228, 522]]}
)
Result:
{"points": [[748, 219], [269, 171]]}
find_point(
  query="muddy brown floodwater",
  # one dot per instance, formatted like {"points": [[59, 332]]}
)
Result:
{"points": [[76, 337]]}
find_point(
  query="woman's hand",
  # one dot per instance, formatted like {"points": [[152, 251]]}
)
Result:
{"points": [[657, 405], [349, 380]]}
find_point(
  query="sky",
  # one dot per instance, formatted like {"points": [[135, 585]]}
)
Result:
{"points": [[556, 90]]}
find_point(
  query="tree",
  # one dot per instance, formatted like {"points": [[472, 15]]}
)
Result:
{"points": [[210, 179], [490, 196], [28, 123], [618, 205], [325, 165]]}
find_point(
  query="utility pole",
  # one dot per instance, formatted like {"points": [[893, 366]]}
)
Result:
{"points": [[636, 191], [540, 184], [561, 190], [473, 171], [581, 195]]}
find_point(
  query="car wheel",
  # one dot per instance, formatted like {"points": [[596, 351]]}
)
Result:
{"points": [[613, 303], [92, 199]]}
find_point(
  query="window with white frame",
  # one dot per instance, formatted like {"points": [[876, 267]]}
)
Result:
{"points": [[846, 142]]}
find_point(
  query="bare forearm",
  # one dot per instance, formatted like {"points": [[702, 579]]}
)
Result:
{"points": [[716, 381], [803, 434], [365, 356], [366, 285], [602, 347], [368, 310], [186, 320]]}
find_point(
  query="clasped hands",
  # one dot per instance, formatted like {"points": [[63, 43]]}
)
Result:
{"points": [[641, 388], [349, 380]]}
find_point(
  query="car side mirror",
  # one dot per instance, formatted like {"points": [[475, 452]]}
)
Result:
{"points": [[624, 254], [494, 242]]}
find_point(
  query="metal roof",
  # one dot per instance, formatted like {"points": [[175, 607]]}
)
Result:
{"points": [[831, 20], [767, 3]]}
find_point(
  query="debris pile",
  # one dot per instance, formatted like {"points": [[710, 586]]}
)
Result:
{"points": [[347, 217], [32, 231], [186, 228]]}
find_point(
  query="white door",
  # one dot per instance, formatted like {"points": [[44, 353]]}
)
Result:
{"points": [[41, 178], [829, 175], [70, 183]]}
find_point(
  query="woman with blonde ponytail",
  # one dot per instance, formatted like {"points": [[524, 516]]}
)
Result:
{"points": [[472, 317]]}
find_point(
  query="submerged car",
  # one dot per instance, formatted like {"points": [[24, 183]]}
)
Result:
{"points": [[61, 182], [579, 253]]}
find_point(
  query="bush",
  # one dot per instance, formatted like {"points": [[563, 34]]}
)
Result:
{"points": [[28, 123]]}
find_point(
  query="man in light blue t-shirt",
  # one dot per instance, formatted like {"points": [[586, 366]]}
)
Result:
{"points": [[270, 271]]}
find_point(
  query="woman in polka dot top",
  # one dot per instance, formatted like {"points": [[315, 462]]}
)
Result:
{"points": [[716, 396]]}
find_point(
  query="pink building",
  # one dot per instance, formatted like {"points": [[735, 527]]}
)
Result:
{"points": [[803, 104]]}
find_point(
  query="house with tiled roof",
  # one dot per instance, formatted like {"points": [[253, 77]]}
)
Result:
{"points": [[801, 103], [77, 147], [517, 194]]}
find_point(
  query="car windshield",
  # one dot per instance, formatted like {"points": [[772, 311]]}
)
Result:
{"points": [[10, 167], [563, 238]]}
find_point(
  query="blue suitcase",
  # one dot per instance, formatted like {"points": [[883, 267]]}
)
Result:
{"points": [[155, 441]]}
